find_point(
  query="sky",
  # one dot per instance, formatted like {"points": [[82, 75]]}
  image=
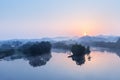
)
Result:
{"points": [[21, 19]]}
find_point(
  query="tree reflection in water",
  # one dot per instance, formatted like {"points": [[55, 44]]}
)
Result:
{"points": [[34, 61], [78, 54], [37, 53], [40, 60], [80, 59]]}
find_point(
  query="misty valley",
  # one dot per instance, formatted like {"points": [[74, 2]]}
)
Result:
{"points": [[59, 39], [61, 58]]}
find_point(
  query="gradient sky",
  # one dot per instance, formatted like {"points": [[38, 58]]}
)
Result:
{"points": [[49, 18]]}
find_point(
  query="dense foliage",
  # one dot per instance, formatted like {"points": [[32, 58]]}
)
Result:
{"points": [[78, 49], [36, 48]]}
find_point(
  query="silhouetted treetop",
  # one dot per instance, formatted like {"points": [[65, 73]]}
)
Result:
{"points": [[36, 48], [78, 49]]}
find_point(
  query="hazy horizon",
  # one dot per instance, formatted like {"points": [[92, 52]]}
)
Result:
{"points": [[33, 19]]}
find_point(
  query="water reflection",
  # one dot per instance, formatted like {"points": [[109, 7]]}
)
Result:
{"points": [[34, 61], [116, 51], [61, 68], [39, 60], [80, 59], [42, 59]]}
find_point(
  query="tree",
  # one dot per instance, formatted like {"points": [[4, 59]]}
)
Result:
{"points": [[78, 49], [36, 48]]}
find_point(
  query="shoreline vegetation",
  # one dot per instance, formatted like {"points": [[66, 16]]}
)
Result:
{"points": [[38, 53], [28, 49], [36, 48]]}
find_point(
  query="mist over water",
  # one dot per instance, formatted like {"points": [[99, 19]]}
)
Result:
{"points": [[57, 65], [59, 39]]}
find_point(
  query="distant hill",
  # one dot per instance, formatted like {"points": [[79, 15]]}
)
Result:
{"points": [[84, 40]]}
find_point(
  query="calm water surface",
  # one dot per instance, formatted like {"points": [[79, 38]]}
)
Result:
{"points": [[57, 66]]}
